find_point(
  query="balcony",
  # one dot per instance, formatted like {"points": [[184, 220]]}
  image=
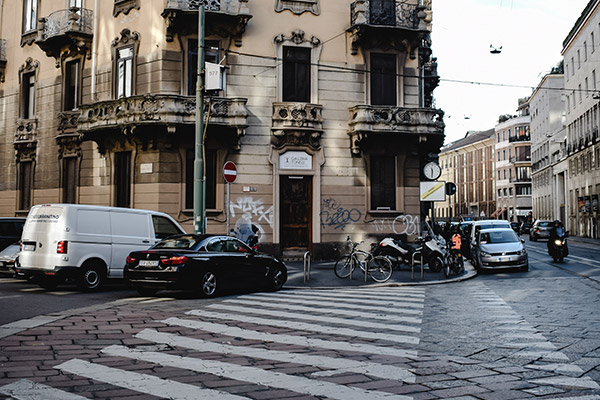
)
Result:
{"points": [[169, 112], [225, 18], [399, 23], [520, 159], [521, 179], [424, 125], [519, 138], [297, 124], [2, 59], [65, 30]]}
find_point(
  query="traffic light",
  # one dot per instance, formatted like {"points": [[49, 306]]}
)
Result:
{"points": [[450, 188]]}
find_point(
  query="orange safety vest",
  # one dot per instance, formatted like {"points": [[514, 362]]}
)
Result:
{"points": [[456, 241]]}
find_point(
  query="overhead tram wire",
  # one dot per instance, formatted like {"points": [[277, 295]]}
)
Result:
{"points": [[358, 70]]}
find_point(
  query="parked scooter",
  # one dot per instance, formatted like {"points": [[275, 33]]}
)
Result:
{"points": [[557, 245], [432, 247]]}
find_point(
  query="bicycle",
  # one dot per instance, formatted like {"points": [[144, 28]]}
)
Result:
{"points": [[379, 268], [453, 262]]}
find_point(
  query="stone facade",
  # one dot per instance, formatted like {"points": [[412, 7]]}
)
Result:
{"points": [[582, 174], [99, 107]]}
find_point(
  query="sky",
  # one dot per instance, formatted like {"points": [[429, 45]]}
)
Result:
{"points": [[530, 32]]}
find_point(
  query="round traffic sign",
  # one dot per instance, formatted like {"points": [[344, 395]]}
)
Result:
{"points": [[229, 172]]}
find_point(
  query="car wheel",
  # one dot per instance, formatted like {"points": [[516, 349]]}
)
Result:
{"points": [[91, 277], [208, 284], [146, 292], [277, 279]]}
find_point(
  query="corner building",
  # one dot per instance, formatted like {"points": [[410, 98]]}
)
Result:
{"points": [[325, 109]]}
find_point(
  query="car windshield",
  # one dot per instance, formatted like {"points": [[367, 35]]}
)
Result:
{"points": [[546, 224], [179, 242], [498, 237]]}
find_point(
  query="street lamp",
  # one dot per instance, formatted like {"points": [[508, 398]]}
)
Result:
{"points": [[199, 178]]}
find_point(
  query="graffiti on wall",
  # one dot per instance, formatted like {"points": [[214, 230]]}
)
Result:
{"points": [[250, 216], [401, 225], [334, 215]]}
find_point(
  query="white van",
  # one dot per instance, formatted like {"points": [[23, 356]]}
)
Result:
{"points": [[84, 243]]}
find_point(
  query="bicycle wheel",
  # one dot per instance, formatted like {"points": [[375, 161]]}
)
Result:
{"points": [[461, 266], [343, 266], [380, 268], [446, 267]]}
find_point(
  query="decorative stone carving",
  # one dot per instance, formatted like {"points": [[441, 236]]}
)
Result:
{"points": [[126, 36], [66, 33], [399, 29], [25, 142], [366, 120], [298, 6], [125, 6], [29, 66], [297, 124], [297, 38], [225, 18], [166, 111]]}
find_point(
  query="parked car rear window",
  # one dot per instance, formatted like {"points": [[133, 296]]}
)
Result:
{"points": [[180, 242], [498, 237], [546, 224]]}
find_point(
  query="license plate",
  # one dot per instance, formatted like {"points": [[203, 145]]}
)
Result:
{"points": [[504, 259], [28, 247], [148, 263]]}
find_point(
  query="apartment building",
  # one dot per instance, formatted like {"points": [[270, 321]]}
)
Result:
{"points": [[469, 164], [325, 108], [548, 145], [513, 165], [581, 54]]}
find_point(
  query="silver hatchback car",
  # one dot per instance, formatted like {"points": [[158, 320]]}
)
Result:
{"points": [[500, 248]]}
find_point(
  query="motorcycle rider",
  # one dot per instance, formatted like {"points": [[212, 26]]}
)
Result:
{"points": [[456, 239], [554, 234]]}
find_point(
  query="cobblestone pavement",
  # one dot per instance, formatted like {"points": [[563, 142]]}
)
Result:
{"points": [[477, 339]]}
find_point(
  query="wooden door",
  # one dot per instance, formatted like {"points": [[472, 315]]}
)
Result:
{"points": [[295, 212]]}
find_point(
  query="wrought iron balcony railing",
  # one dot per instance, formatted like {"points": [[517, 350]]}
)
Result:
{"points": [[393, 13], [64, 29]]}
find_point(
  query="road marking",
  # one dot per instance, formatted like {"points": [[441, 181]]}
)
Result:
{"points": [[233, 331], [320, 301], [10, 297], [302, 326], [28, 390], [157, 300], [319, 318], [323, 308], [339, 365], [384, 301], [585, 382], [143, 383], [253, 375]]}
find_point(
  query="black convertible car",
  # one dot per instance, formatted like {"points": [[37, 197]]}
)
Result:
{"points": [[204, 264]]}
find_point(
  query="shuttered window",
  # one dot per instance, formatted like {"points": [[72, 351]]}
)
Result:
{"points": [[383, 79], [383, 182]]}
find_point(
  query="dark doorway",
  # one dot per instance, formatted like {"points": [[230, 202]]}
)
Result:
{"points": [[296, 212]]}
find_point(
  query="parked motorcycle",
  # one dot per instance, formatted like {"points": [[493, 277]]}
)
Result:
{"points": [[557, 246], [396, 251]]}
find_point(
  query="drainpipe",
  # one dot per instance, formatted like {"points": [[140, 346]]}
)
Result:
{"points": [[94, 51]]}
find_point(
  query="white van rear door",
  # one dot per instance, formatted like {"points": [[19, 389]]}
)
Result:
{"points": [[45, 225], [130, 232]]}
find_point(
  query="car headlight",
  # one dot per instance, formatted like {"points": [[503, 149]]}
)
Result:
{"points": [[523, 251], [484, 254]]}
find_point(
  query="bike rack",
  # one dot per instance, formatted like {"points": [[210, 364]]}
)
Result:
{"points": [[306, 266], [412, 265]]}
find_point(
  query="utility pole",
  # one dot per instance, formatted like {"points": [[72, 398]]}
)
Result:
{"points": [[199, 177]]}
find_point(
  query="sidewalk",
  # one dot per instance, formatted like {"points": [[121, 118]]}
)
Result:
{"points": [[323, 277]]}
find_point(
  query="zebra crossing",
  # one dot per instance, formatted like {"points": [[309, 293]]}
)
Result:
{"points": [[529, 343], [299, 342]]}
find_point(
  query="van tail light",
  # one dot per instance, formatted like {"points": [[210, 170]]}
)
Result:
{"points": [[130, 260], [62, 247], [20, 245], [174, 260]]}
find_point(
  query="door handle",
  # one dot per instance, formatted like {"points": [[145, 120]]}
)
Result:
{"points": [[145, 241]]}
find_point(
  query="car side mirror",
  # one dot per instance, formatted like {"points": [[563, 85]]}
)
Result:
{"points": [[522, 240]]}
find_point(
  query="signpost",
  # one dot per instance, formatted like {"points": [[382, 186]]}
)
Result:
{"points": [[229, 174]]}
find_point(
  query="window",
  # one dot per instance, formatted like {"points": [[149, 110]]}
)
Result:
{"points": [[383, 79], [30, 10], [383, 182], [593, 43], [211, 54], [296, 74], [28, 95], [210, 162], [71, 85], [594, 79], [122, 174], [25, 180], [164, 227], [124, 72], [69, 180], [75, 3]]}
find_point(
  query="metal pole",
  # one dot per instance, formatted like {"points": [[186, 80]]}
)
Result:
{"points": [[199, 178], [228, 207]]}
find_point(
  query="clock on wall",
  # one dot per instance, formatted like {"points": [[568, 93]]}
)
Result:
{"points": [[432, 170]]}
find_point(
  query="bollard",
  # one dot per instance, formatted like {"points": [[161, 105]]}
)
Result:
{"points": [[306, 266]]}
